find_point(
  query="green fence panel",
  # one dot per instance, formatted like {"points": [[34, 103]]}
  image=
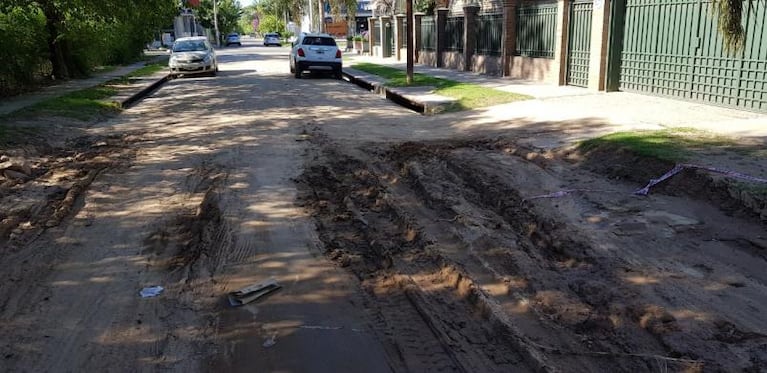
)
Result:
{"points": [[489, 34], [428, 34], [536, 30], [404, 33], [579, 43], [454, 34], [673, 48], [375, 35]]}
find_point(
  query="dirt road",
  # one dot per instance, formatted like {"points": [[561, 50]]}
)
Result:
{"points": [[402, 243]]}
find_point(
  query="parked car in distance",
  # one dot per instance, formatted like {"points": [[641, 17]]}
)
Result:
{"points": [[192, 55], [315, 52], [232, 39], [272, 38]]}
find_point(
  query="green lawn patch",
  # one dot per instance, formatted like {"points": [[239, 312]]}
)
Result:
{"points": [[83, 104], [673, 144], [149, 69], [469, 96]]}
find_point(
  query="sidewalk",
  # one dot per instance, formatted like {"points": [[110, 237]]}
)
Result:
{"points": [[15, 103], [621, 109]]}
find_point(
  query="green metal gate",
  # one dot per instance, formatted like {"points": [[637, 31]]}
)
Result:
{"points": [[579, 43], [387, 50], [673, 48]]}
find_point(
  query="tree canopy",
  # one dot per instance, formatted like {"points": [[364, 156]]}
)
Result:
{"points": [[229, 12], [67, 38]]}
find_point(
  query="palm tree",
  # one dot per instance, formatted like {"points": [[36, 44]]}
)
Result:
{"points": [[729, 19]]}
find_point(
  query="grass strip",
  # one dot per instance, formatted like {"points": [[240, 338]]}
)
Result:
{"points": [[83, 104], [673, 144], [468, 95]]}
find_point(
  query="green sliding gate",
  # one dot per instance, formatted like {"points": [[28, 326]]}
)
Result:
{"points": [[579, 43], [673, 48]]}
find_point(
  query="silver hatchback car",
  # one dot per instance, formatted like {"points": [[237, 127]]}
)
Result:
{"points": [[193, 55], [272, 38]]}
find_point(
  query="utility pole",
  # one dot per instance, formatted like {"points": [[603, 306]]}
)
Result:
{"points": [[410, 42], [215, 22], [311, 17], [321, 17]]}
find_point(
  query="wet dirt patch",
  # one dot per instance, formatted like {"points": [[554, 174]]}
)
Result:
{"points": [[565, 281]]}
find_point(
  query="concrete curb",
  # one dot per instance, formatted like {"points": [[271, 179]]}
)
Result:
{"points": [[138, 96], [398, 97]]}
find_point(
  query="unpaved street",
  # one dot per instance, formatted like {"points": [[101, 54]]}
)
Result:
{"points": [[402, 243]]}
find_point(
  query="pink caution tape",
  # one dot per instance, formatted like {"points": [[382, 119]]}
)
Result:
{"points": [[566, 192], [681, 166], [646, 190]]}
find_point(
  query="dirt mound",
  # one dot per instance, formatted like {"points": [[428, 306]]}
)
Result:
{"points": [[595, 279], [46, 189]]}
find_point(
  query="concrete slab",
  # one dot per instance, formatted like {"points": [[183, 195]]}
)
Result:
{"points": [[614, 111]]}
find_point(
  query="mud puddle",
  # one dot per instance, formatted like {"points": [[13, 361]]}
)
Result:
{"points": [[598, 280]]}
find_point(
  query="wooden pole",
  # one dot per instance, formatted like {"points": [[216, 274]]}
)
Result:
{"points": [[410, 41]]}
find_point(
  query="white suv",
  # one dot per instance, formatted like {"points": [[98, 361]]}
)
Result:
{"points": [[315, 52]]}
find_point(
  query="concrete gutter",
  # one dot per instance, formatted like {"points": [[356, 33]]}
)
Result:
{"points": [[419, 99], [135, 97]]}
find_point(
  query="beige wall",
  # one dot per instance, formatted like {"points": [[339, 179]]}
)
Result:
{"points": [[540, 69], [428, 58], [490, 65], [453, 60]]}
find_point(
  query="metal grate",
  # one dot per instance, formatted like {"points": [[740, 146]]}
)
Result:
{"points": [[428, 34], [674, 49], [454, 34], [489, 34], [536, 30], [579, 43]]}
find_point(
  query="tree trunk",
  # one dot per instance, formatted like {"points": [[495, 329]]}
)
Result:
{"points": [[55, 52]]}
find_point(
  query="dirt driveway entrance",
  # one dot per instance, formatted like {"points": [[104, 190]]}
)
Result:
{"points": [[402, 243]]}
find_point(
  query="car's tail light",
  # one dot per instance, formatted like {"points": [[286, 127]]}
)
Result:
{"points": [[338, 53], [301, 53]]}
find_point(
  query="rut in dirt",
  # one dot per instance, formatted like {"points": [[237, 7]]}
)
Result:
{"points": [[443, 224]]}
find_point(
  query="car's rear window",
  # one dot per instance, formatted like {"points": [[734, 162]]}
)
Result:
{"points": [[318, 40]]}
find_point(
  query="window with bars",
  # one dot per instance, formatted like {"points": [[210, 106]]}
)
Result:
{"points": [[536, 30], [428, 34], [489, 34], [454, 34]]}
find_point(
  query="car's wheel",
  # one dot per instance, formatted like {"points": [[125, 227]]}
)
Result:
{"points": [[292, 69], [337, 74], [297, 73]]}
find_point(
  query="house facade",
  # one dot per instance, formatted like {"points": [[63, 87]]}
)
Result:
{"points": [[658, 47]]}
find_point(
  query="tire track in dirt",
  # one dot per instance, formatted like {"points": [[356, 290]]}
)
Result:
{"points": [[363, 231], [436, 215]]}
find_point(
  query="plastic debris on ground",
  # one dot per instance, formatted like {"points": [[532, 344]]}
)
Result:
{"points": [[251, 293], [151, 291]]}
